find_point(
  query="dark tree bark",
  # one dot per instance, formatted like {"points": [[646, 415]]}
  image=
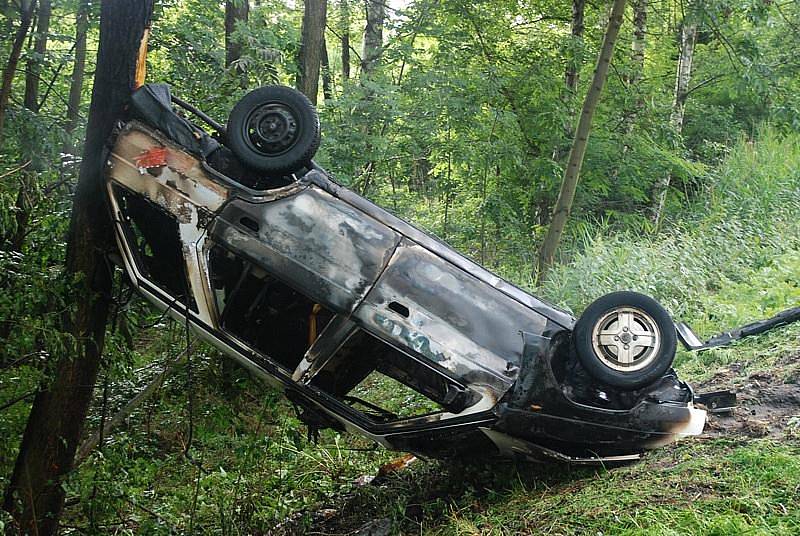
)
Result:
{"points": [[22, 212], [26, 16], [35, 496], [33, 69], [236, 12], [572, 172], [327, 79], [373, 36], [344, 29], [78, 68], [309, 58]]}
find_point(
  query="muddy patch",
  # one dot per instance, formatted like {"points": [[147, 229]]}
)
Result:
{"points": [[766, 407]]}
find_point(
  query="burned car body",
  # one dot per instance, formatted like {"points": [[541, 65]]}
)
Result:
{"points": [[331, 298]]}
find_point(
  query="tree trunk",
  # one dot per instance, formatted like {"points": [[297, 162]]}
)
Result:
{"points": [[35, 496], [236, 11], [373, 36], [26, 16], [573, 169], [312, 42], [33, 69], [639, 41], [572, 71], [682, 77], [344, 28], [22, 211], [327, 79], [78, 70], [633, 78]]}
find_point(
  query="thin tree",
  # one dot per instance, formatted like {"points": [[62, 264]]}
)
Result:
{"points": [[33, 69], [373, 36], [572, 171], [344, 36], [327, 77], [27, 8], [35, 494], [577, 26], [375, 14], [236, 13], [638, 43], [309, 58], [682, 78], [78, 70]]}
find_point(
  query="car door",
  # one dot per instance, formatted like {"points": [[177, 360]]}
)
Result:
{"points": [[313, 242]]}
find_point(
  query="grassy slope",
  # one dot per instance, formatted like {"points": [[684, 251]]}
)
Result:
{"points": [[733, 259]]}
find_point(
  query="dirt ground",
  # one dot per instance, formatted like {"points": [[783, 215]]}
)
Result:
{"points": [[767, 406]]}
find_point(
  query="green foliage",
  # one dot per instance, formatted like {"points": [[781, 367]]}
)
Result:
{"points": [[743, 231], [463, 130]]}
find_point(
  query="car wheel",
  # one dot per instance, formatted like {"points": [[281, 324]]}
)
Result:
{"points": [[626, 340], [274, 129]]}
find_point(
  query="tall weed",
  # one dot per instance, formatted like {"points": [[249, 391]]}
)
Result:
{"points": [[731, 256]]}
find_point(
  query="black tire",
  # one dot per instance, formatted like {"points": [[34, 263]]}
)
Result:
{"points": [[610, 347], [274, 129]]}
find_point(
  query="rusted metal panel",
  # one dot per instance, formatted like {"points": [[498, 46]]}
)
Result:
{"points": [[181, 187], [312, 242], [180, 182], [449, 317]]}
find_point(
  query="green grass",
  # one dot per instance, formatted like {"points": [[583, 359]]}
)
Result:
{"points": [[700, 488], [697, 487], [732, 257]]}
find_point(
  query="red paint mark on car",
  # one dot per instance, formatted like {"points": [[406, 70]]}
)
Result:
{"points": [[152, 158]]}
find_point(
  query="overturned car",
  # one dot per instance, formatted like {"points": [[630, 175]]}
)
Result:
{"points": [[367, 323]]}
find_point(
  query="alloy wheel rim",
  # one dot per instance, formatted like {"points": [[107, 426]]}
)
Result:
{"points": [[626, 339]]}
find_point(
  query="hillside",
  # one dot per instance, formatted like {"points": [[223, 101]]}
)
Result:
{"points": [[731, 259]]}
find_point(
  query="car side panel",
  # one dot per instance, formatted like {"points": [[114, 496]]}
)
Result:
{"points": [[328, 250], [453, 319]]}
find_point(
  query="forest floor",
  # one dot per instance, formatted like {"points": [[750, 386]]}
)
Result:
{"points": [[741, 475]]}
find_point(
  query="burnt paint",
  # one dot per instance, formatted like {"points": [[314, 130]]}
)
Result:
{"points": [[453, 320], [313, 242], [340, 250]]}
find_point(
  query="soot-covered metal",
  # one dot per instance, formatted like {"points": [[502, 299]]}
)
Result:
{"points": [[343, 305]]}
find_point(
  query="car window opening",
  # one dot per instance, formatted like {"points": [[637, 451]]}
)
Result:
{"points": [[366, 372], [383, 398], [262, 311], [159, 252]]}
